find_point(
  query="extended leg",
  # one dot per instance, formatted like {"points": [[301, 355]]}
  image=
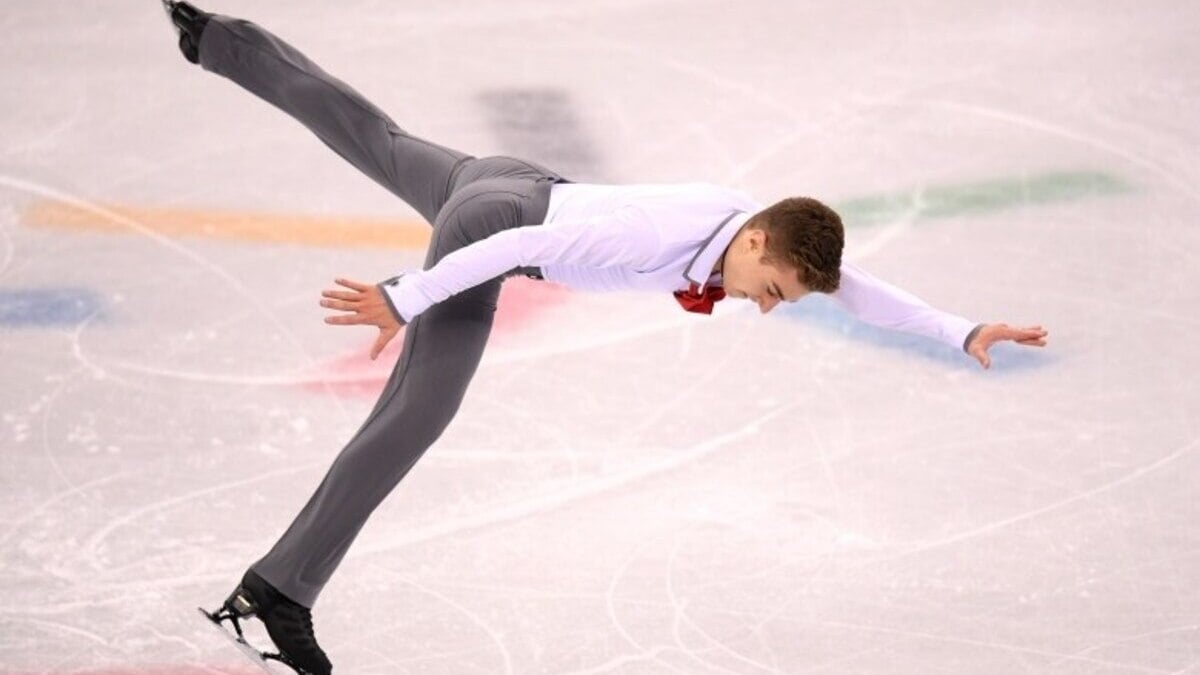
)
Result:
{"points": [[416, 170]]}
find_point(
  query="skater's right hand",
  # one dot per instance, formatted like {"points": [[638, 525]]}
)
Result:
{"points": [[366, 305], [990, 334]]}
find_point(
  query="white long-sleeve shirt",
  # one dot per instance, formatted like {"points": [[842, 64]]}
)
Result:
{"points": [[646, 237]]}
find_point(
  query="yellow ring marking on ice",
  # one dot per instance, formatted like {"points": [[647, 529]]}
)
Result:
{"points": [[328, 231]]}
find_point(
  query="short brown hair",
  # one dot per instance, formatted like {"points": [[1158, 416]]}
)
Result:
{"points": [[804, 234]]}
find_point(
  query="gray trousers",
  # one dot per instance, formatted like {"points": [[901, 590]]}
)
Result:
{"points": [[466, 199]]}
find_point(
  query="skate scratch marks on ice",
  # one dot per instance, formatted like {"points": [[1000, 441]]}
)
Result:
{"points": [[64, 628], [97, 539], [264, 310], [496, 636], [679, 609], [1125, 639], [502, 513], [644, 653], [989, 644], [31, 513], [1057, 130], [1086, 494]]}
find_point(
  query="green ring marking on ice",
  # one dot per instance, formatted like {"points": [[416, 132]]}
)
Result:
{"points": [[982, 197]]}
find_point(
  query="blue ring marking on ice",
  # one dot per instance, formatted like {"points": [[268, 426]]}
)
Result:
{"points": [[40, 307], [825, 315]]}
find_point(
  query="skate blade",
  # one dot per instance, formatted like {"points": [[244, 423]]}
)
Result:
{"points": [[167, 8], [245, 647]]}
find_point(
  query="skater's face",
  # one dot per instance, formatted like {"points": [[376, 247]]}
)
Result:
{"points": [[747, 275]]}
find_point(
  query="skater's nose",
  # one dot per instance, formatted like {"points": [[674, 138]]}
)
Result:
{"points": [[766, 304]]}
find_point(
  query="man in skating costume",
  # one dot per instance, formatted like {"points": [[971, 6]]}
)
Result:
{"points": [[492, 218]]}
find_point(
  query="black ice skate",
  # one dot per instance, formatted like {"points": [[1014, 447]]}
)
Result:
{"points": [[288, 623], [189, 22]]}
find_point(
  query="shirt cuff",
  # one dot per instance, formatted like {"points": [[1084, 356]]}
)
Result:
{"points": [[391, 289], [971, 336]]}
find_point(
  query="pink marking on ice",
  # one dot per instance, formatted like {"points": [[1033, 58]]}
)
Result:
{"points": [[154, 670], [521, 301]]}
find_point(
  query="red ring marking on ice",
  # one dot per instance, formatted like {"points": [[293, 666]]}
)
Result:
{"points": [[521, 302]]}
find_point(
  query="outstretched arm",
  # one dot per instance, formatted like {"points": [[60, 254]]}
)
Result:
{"points": [[617, 239], [881, 304]]}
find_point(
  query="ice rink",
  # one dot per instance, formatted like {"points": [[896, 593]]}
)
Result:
{"points": [[628, 489]]}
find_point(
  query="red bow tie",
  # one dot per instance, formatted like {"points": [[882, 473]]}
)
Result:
{"points": [[694, 301]]}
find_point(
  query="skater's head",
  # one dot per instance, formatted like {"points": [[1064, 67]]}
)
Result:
{"points": [[785, 252]]}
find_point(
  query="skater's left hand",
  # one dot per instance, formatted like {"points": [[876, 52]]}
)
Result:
{"points": [[366, 305], [990, 334]]}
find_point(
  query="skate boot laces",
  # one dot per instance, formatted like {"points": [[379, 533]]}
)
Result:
{"points": [[291, 629], [289, 623]]}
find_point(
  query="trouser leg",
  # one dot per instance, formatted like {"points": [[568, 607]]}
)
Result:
{"points": [[418, 171], [442, 349]]}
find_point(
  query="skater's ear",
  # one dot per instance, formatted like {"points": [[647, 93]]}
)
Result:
{"points": [[802, 234]]}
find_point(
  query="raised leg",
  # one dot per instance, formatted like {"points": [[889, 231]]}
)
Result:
{"points": [[418, 171]]}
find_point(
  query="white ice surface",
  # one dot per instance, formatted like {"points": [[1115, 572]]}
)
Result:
{"points": [[815, 497]]}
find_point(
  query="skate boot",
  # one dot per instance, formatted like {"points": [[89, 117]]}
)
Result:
{"points": [[289, 624], [189, 22]]}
